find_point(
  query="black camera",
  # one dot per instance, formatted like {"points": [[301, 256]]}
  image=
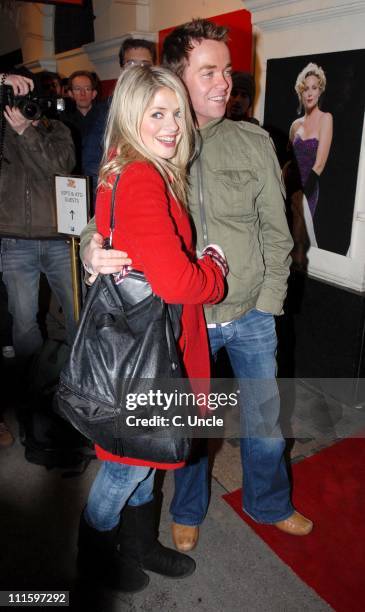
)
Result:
{"points": [[33, 106]]}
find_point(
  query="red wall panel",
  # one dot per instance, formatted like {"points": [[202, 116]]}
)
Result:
{"points": [[107, 88]]}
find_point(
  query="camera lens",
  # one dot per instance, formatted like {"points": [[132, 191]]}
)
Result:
{"points": [[30, 109]]}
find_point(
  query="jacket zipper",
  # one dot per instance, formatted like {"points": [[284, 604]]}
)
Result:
{"points": [[203, 218]]}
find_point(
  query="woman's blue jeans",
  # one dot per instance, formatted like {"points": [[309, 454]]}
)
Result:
{"points": [[116, 485], [251, 344]]}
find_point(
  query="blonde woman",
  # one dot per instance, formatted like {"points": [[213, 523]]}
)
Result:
{"points": [[149, 141], [311, 138]]}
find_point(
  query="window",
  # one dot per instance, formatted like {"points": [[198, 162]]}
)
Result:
{"points": [[73, 26]]}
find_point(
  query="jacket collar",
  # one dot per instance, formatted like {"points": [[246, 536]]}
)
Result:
{"points": [[211, 128]]}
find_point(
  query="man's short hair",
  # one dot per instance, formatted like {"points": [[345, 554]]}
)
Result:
{"points": [[47, 74], [178, 44], [83, 73], [244, 83], [137, 43]]}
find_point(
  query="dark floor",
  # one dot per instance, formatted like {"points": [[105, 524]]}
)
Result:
{"points": [[236, 571]]}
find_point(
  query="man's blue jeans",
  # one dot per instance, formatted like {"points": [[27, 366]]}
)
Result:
{"points": [[191, 497], [251, 346], [115, 485], [22, 262]]}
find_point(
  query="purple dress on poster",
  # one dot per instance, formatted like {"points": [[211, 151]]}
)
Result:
{"points": [[305, 153]]}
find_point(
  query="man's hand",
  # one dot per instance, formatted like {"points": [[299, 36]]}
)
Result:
{"points": [[103, 261], [21, 85], [16, 120]]}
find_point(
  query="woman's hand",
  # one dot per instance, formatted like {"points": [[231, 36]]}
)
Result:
{"points": [[216, 253]]}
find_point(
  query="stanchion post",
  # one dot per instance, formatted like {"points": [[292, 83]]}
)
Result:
{"points": [[73, 204], [75, 277]]}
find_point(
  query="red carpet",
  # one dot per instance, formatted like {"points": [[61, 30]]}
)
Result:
{"points": [[329, 488]]}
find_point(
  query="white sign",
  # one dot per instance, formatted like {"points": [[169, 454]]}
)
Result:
{"points": [[72, 204]]}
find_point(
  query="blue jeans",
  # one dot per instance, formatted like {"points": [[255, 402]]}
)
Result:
{"points": [[251, 346], [23, 261], [115, 485], [191, 497], [6, 322]]}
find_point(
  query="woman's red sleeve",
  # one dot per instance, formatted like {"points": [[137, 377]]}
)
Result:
{"points": [[147, 231]]}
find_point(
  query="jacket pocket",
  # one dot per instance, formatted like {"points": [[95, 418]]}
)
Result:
{"points": [[234, 192]]}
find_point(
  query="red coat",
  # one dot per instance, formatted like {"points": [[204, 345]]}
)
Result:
{"points": [[155, 231]]}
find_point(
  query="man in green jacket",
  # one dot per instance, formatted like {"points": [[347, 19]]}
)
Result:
{"points": [[236, 201]]}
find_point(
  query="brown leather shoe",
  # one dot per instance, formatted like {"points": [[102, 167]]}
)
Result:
{"points": [[185, 537], [6, 437], [295, 524]]}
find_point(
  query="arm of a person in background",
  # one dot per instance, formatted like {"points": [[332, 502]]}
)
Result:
{"points": [[290, 171], [293, 130], [142, 211], [51, 149], [324, 145], [276, 239], [20, 84]]}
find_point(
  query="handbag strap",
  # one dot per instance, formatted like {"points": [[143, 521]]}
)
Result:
{"points": [[108, 242], [173, 310]]}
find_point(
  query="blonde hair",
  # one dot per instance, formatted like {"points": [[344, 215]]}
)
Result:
{"points": [[310, 70], [123, 144]]}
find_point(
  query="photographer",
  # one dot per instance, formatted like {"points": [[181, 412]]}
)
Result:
{"points": [[21, 85], [32, 152]]}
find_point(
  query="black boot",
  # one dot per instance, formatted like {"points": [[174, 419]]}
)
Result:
{"points": [[138, 539], [99, 559]]}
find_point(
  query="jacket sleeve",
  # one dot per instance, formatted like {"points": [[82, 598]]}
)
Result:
{"points": [[86, 235], [143, 217], [52, 150], [276, 239]]}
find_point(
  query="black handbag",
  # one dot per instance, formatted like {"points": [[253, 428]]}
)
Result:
{"points": [[125, 345]]}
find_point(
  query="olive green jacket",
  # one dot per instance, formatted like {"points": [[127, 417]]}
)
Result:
{"points": [[236, 201], [239, 179]]}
